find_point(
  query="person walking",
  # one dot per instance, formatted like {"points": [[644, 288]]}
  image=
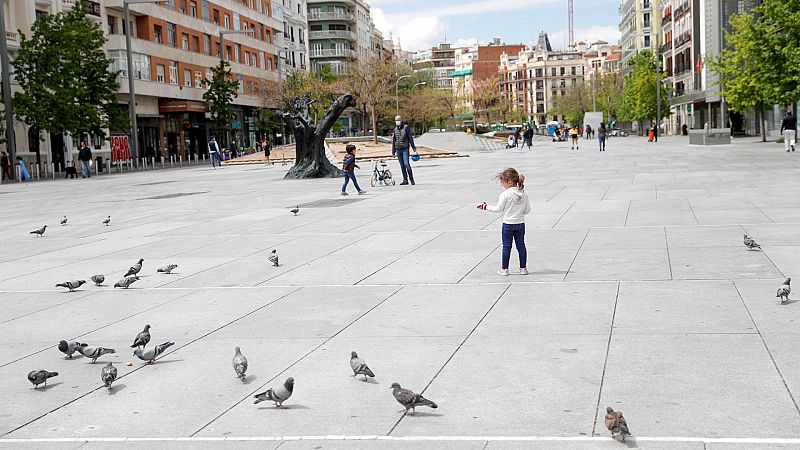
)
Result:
{"points": [[213, 152], [588, 131], [788, 127], [527, 138], [266, 146], [513, 204], [85, 157], [349, 166], [574, 133], [601, 136], [6, 166], [402, 140]]}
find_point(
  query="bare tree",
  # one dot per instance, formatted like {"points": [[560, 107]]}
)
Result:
{"points": [[371, 84]]}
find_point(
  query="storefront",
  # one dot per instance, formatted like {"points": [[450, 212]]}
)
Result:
{"points": [[183, 129]]}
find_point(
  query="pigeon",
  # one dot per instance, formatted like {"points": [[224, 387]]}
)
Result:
{"points": [[38, 377], [90, 351], [277, 394], [295, 210], [107, 221], [784, 290], [409, 399], [239, 364], [167, 269], [39, 232], [750, 243], [108, 374], [273, 258], [135, 268], [98, 279], [142, 338], [71, 285], [152, 353], [69, 347], [616, 424], [359, 366], [64, 221], [125, 282]]}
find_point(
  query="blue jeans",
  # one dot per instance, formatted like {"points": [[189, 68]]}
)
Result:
{"points": [[347, 177], [86, 170], [602, 140], [405, 165], [515, 232], [215, 159]]}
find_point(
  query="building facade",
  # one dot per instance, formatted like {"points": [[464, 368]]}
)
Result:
{"points": [[639, 26], [340, 31], [293, 44], [439, 63]]}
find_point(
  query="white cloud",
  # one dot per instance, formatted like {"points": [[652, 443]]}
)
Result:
{"points": [[608, 33], [416, 32]]}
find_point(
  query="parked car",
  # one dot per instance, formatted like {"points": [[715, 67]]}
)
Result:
{"points": [[618, 132]]}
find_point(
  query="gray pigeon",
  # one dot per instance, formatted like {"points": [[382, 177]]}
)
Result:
{"points": [[150, 354], [409, 399], [90, 351], [135, 269], [750, 242], [278, 394], [64, 221], [167, 269], [71, 285], [359, 366], [295, 210], [107, 221], [38, 377], [784, 290], [125, 282], [273, 258], [69, 347], [39, 232], [108, 374], [142, 338], [239, 364], [98, 279], [616, 424]]}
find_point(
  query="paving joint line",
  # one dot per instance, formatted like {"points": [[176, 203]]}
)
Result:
{"points": [[766, 347], [576, 255], [379, 218], [768, 258], [297, 361], [605, 362], [627, 213], [508, 286], [669, 260], [479, 263], [563, 214], [401, 257]]}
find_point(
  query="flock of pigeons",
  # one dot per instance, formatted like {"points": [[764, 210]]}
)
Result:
{"points": [[784, 289]]}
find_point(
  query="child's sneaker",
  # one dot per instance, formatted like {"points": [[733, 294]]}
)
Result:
{"points": [[503, 272], [362, 192], [345, 193], [523, 271]]}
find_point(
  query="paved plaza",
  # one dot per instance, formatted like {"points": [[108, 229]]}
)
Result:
{"points": [[640, 296]]}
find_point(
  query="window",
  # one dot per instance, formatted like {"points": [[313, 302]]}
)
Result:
{"points": [[227, 21], [196, 44], [173, 72], [237, 23], [184, 41], [112, 25], [171, 34], [553, 71], [171, 3], [237, 51], [193, 9], [187, 77], [573, 70], [216, 17], [249, 87], [261, 60], [563, 71], [647, 41], [158, 35], [205, 10], [207, 44], [160, 73], [247, 58], [183, 6], [198, 79]]}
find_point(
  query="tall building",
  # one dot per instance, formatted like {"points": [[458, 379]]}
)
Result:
{"points": [[174, 45], [294, 41], [600, 58], [440, 63], [339, 31], [639, 26], [533, 78]]}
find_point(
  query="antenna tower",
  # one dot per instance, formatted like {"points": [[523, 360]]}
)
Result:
{"points": [[571, 25]]}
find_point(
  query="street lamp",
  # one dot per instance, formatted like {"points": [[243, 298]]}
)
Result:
{"points": [[222, 34], [422, 83], [131, 92], [397, 92]]}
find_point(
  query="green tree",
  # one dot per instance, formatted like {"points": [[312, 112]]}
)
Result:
{"points": [[63, 74], [222, 89], [268, 123], [319, 86], [372, 85], [574, 104], [639, 94]]}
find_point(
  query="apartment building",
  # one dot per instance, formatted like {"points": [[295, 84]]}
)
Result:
{"points": [[294, 42], [639, 27], [340, 31], [439, 63], [174, 45], [600, 58], [533, 78]]}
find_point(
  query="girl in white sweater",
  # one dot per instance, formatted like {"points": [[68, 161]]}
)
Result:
{"points": [[513, 204]]}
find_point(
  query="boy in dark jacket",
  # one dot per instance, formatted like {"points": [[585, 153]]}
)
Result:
{"points": [[348, 166]]}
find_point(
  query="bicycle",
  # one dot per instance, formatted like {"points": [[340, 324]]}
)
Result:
{"points": [[383, 175]]}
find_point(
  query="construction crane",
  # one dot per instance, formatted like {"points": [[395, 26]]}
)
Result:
{"points": [[571, 24]]}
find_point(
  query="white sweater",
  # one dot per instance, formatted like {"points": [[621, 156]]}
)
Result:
{"points": [[514, 204]]}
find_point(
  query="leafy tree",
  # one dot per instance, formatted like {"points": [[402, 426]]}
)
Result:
{"points": [[371, 83], [318, 86], [63, 74], [222, 89], [639, 95], [574, 104]]}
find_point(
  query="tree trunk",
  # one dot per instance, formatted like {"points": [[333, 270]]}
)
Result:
{"points": [[310, 158], [374, 126], [763, 125]]}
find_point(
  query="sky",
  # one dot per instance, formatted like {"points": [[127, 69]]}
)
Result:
{"points": [[420, 24]]}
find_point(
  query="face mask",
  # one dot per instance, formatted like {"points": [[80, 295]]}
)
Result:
{"points": [[397, 122]]}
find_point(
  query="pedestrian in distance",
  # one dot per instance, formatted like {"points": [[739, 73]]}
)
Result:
{"points": [[574, 133], [266, 146], [601, 136], [23, 171], [788, 127], [588, 131], [6, 167], [213, 152], [527, 138], [85, 157], [513, 204], [402, 141], [349, 166]]}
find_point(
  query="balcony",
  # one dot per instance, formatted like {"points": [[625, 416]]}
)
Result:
{"points": [[684, 38], [333, 34], [93, 7], [12, 39], [333, 53], [334, 15]]}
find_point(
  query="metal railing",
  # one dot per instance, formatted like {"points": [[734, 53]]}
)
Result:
{"points": [[331, 16], [332, 34], [333, 53]]}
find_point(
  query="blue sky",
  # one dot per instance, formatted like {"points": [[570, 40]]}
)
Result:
{"points": [[423, 23]]}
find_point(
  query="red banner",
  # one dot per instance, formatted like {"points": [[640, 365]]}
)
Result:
{"points": [[120, 149]]}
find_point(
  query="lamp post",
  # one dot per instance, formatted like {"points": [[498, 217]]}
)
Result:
{"points": [[397, 93], [131, 92], [5, 68], [422, 83], [222, 34]]}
